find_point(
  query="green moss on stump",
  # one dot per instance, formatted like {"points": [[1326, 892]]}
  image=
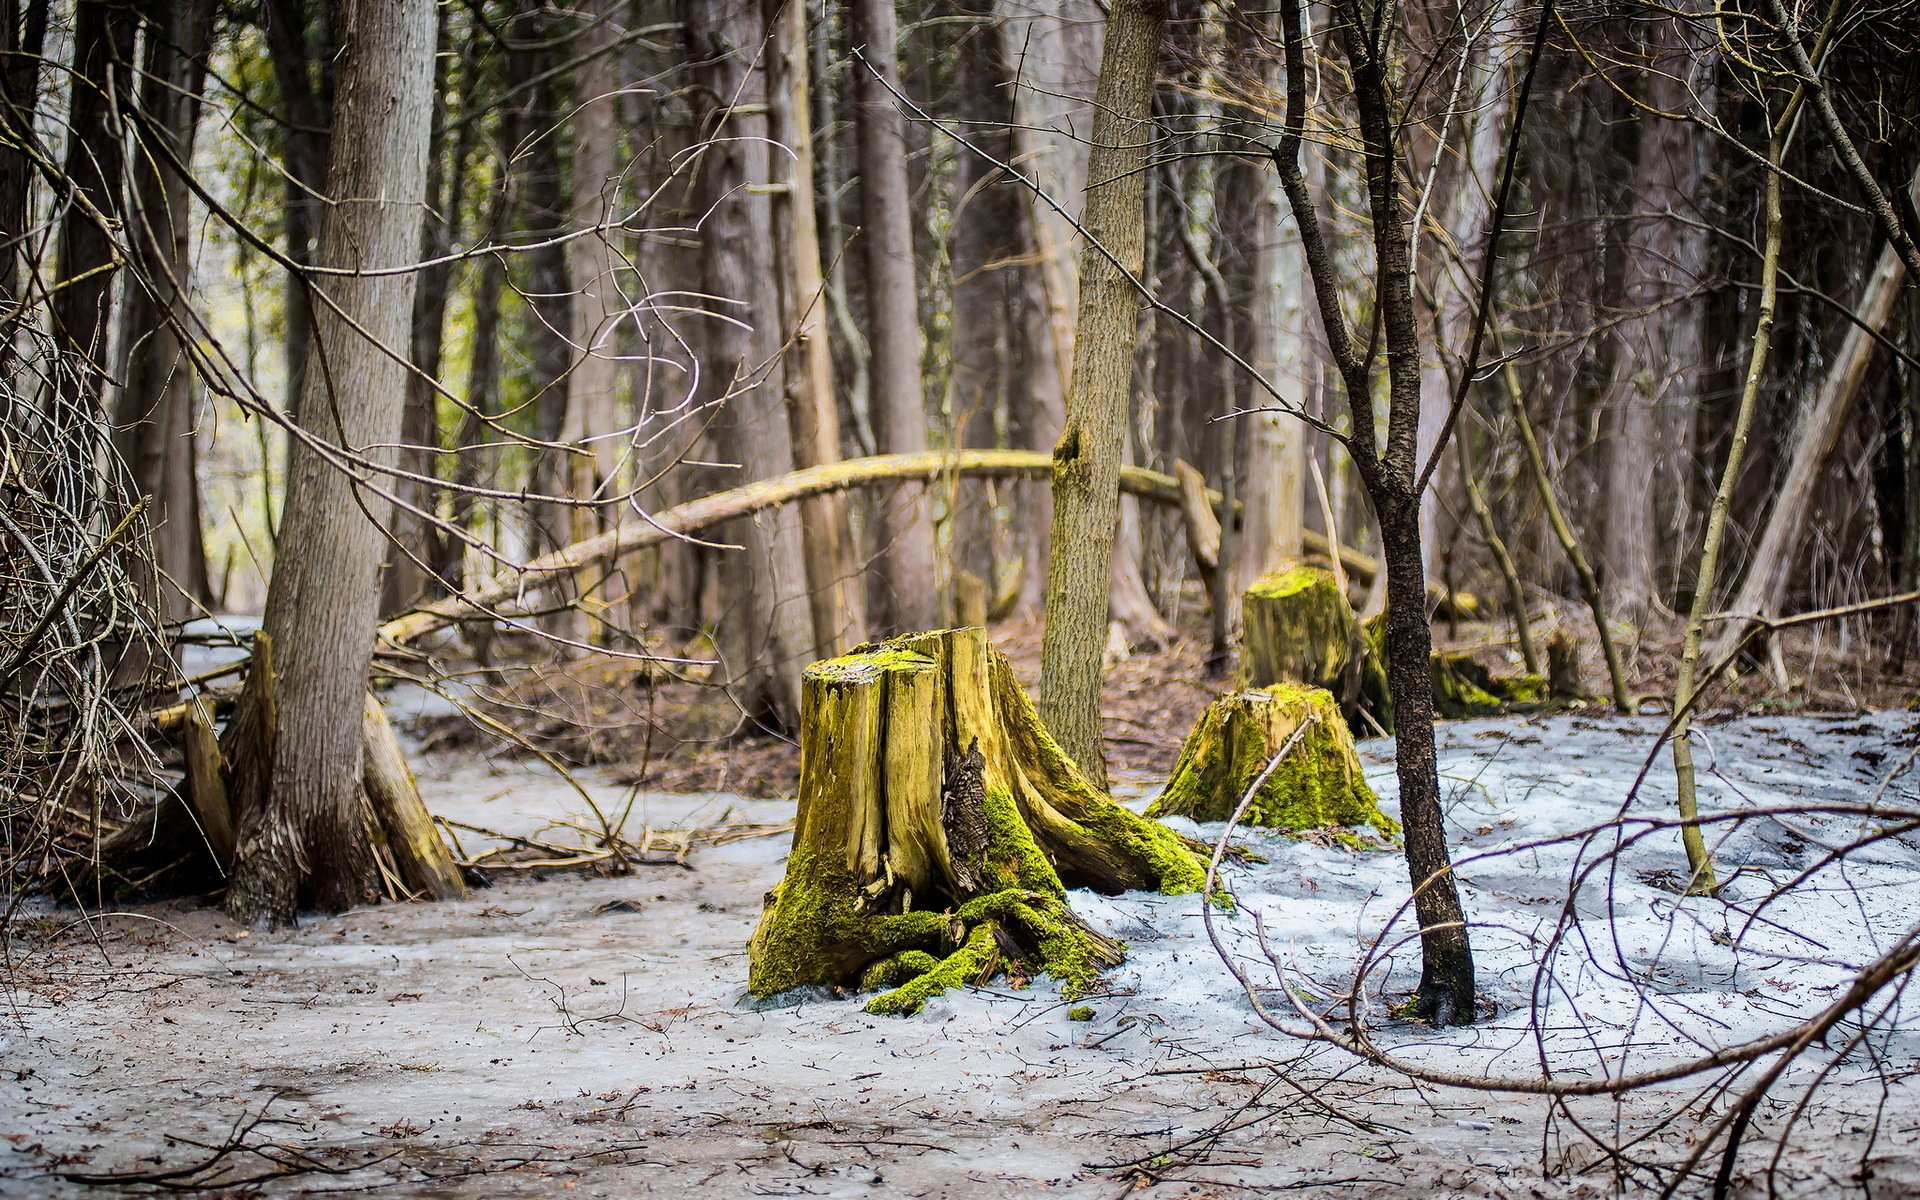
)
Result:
{"points": [[1299, 628], [873, 897], [1319, 785]]}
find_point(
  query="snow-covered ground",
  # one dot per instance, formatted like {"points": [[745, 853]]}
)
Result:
{"points": [[591, 1034]]}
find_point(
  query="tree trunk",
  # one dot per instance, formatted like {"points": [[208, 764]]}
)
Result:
{"points": [[1764, 588], [297, 794], [23, 33], [154, 417], [1086, 460], [936, 815], [767, 636], [594, 454], [299, 34], [904, 519], [1658, 348], [833, 580], [103, 37]]}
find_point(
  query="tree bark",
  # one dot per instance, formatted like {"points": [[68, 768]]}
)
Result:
{"points": [[1659, 348], [908, 570], [301, 826], [1086, 460], [154, 415], [768, 634], [833, 579]]}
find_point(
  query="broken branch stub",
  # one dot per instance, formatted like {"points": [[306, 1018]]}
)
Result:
{"points": [[938, 829]]}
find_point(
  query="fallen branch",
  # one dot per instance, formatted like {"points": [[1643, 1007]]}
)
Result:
{"points": [[507, 594]]}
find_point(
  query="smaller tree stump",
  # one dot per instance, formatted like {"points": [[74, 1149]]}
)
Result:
{"points": [[939, 827], [1299, 628], [1318, 785], [1462, 687]]}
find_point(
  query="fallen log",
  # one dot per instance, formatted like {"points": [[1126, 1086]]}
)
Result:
{"points": [[507, 593], [938, 829]]}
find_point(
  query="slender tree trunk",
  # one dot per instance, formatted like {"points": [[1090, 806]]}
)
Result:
{"points": [[103, 37], [1086, 473], [1764, 588], [154, 417], [909, 576], [1700, 877], [833, 581], [302, 833]]}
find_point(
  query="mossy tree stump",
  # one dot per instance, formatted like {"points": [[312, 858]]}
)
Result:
{"points": [[939, 827], [1319, 784], [1299, 628]]}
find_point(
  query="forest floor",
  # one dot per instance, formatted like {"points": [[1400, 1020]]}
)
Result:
{"points": [[589, 1034]]}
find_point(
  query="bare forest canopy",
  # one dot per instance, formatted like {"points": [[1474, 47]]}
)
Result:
{"points": [[662, 373]]}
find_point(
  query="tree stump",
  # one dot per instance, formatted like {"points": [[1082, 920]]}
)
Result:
{"points": [[939, 827], [1319, 784], [1464, 688], [1299, 628]]}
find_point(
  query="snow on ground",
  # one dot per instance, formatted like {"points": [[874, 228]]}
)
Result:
{"points": [[591, 1034]]}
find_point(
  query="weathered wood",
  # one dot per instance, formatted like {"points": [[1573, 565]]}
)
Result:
{"points": [[1318, 784], [939, 827], [1299, 629], [206, 783], [419, 853], [517, 590]]}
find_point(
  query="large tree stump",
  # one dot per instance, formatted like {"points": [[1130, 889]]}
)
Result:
{"points": [[939, 827], [1318, 784]]}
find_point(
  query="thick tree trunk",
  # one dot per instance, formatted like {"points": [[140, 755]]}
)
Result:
{"points": [[768, 632], [936, 815], [1086, 460], [301, 827], [1658, 348], [909, 578]]}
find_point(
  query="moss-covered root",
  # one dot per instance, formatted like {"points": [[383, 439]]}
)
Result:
{"points": [[1319, 785], [1034, 930], [1299, 629]]}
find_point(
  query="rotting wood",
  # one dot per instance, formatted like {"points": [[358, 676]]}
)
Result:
{"points": [[420, 854], [938, 829]]}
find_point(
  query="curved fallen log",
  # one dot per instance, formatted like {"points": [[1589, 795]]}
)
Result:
{"points": [[507, 593], [939, 827]]}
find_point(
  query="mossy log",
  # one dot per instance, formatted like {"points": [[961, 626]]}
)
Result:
{"points": [[1319, 784], [939, 827], [1462, 687]]}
